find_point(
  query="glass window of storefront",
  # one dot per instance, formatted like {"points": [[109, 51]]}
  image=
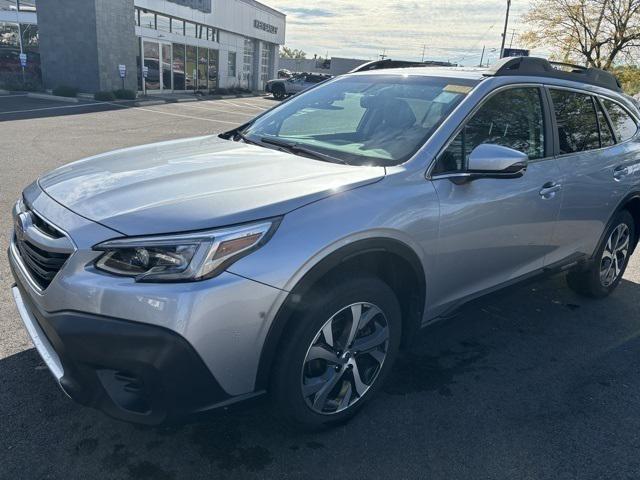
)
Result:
{"points": [[213, 69], [247, 64], [166, 66], [191, 70], [203, 65], [152, 62], [177, 26], [25, 5], [178, 66], [190, 29], [265, 64], [231, 64], [147, 19], [163, 23]]}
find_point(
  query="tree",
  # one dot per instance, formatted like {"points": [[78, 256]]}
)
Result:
{"points": [[590, 32], [294, 53]]}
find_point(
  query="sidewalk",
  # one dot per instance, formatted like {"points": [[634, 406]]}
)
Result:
{"points": [[152, 99]]}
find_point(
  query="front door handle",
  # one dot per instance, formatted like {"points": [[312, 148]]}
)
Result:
{"points": [[550, 189], [620, 172]]}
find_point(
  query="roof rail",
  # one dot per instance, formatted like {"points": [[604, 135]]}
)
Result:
{"points": [[389, 63], [541, 67]]}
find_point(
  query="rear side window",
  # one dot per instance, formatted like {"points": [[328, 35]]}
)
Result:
{"points": [[512, 118], [606, 135], [623, 125], [576, 120]]}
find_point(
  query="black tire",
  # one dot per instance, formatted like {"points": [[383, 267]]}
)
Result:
{"points": [[279, 92], [589, 282], [304, 328]]}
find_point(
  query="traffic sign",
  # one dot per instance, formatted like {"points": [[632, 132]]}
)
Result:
{"points": [[23, 60], [145, 72], [123, 70]]}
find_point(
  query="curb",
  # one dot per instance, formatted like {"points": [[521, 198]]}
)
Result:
{"points": [[44, 96], [148, 103], [4, 92]]}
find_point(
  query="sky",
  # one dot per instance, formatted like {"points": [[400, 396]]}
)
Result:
{"points": [[453, 30]]}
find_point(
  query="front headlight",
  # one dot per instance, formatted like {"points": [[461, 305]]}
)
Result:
{"points": [[188, 257]]}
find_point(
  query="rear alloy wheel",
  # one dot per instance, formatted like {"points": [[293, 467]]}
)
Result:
{"points": [[609, 265], [337, 351]]}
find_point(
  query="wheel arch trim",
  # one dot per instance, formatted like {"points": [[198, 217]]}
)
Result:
{"points": [[331, 260], [629, 197]]}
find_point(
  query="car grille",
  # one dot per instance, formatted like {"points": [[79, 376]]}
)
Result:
{"points": [[42, 263]]}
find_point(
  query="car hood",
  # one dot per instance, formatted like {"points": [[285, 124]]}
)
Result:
{"points": [[194, 184]]}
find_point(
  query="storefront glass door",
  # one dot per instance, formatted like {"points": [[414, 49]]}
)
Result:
{"points": [[158, 60]]}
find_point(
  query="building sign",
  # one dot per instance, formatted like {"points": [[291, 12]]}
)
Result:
{"points": [[515, 52], [202, 5], [265, 26]]}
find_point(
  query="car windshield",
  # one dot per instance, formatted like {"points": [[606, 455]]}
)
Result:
{"points": [[362, 119]]}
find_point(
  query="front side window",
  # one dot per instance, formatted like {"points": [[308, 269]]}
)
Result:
{"points": [[513, 118], [364, 119], [576, 120], [623, 125]]}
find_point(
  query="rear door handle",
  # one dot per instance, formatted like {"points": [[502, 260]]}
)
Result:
{"points": [[550, 189], [620, 172]]}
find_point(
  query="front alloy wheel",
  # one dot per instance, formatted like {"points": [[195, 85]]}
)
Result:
{"points": [[338, 347], [345, 358]]}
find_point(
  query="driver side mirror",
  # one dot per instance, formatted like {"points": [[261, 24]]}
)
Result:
{"points": [[496, 161]]}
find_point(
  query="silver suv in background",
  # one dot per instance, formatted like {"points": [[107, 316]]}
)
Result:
{"points": [[285, 87], [297, 253]]}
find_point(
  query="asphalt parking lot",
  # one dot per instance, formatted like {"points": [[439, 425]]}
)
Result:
{"points": [[529, 383]]}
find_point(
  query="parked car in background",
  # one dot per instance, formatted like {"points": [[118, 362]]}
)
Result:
{"points": [[284, 73], [296, 254], [282, 88]]}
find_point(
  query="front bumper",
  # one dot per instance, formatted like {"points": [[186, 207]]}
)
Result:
{"points": [[131, 371]]}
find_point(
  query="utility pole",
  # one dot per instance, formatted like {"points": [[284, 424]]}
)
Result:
{"points": [[506, 25], [424, 48], [513, 34], [383, 56], [482, 56]]}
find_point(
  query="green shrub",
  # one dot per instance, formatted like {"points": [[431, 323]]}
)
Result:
{"points": [[65, 91], [13, 82], [104, 96], [124, 94]]}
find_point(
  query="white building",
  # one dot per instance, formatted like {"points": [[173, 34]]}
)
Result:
{"points": [[164, 45]]}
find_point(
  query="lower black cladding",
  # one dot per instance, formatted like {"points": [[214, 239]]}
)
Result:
{"points": [[131, 371]]}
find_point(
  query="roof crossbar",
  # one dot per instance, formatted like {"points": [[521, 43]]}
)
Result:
{"points": [[540, 67]]}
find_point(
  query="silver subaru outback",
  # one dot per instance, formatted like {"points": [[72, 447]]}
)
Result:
{"points": [[298, 253]]}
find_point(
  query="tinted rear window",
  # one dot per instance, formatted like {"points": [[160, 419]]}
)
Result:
{"points": [[623, 125]]}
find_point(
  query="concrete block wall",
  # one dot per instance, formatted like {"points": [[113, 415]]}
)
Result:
{"points": [[117, 43], [68, 43]]}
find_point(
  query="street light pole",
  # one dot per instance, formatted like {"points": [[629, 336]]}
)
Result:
{"points": [[20, 37], [506, 25]]}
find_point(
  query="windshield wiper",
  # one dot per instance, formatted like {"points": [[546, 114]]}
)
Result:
{"points": [[295, 148]]}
